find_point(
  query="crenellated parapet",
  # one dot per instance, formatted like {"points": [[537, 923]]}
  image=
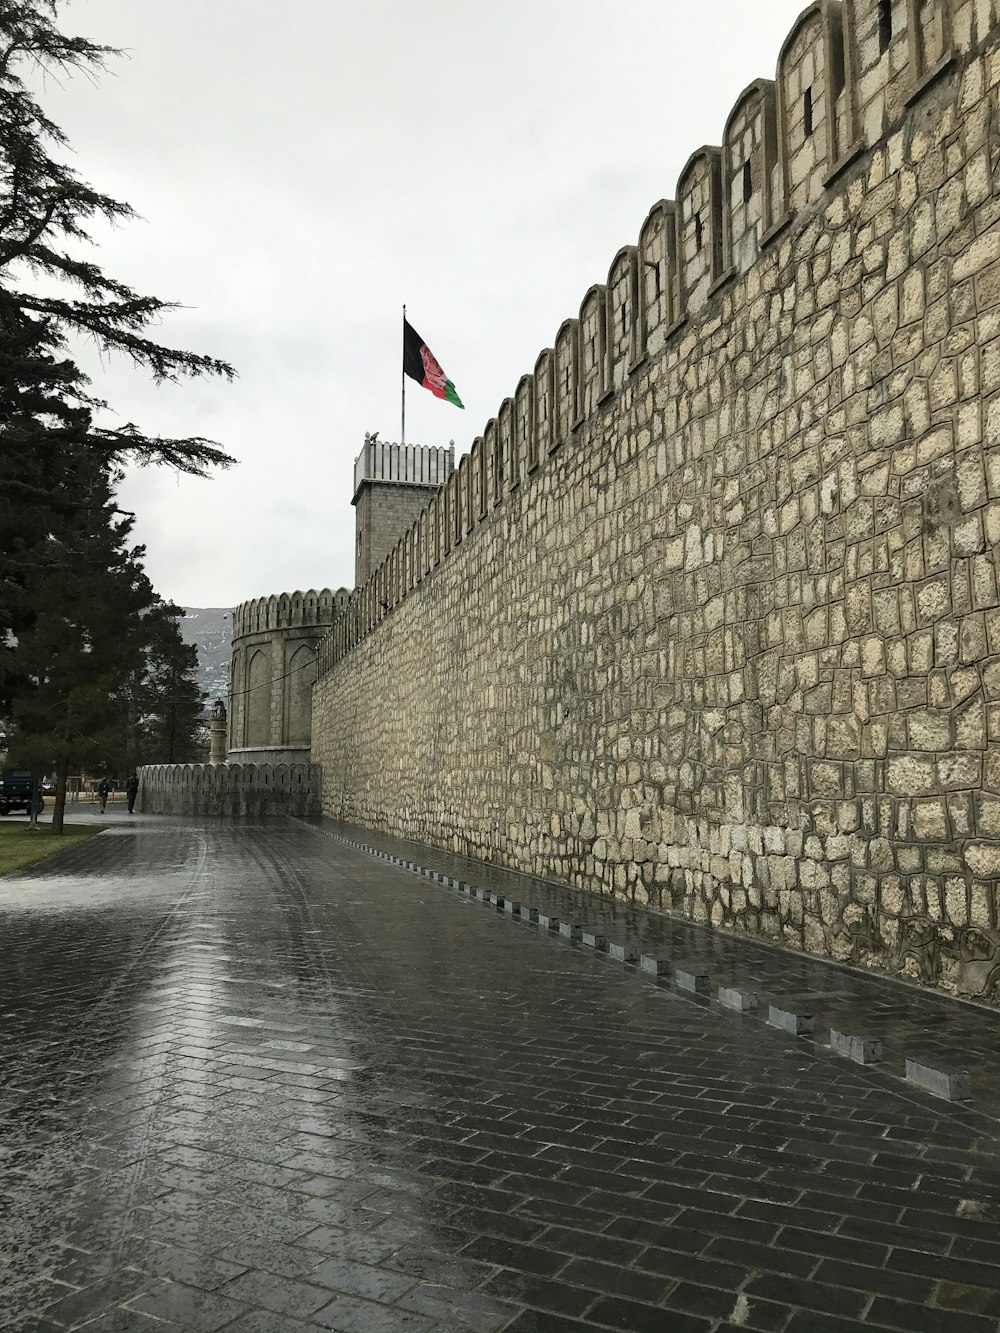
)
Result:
{"points": [[846, 76], [288, 610], [234, 790]]}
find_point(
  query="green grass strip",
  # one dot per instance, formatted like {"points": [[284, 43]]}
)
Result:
{"points": [[19, 845]]}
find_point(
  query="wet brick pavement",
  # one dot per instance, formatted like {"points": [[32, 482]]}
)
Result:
{"points": [[911, 1021], [254, 1079]]}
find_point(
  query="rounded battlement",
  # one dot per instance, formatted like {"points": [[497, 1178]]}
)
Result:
{"points": [[272, 670], [289, 610]]}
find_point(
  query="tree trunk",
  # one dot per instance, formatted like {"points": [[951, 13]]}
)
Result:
{"points": [[59, 809]]}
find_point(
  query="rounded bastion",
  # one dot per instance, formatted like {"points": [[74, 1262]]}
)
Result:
{"points": [[271, 674]]}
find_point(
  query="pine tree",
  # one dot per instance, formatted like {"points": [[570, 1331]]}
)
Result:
{"points": [[52, 293], [45, 212], [87, 634], [66, 576]]}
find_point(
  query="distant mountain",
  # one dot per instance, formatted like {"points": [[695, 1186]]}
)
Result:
{"points": [[210, 629]]}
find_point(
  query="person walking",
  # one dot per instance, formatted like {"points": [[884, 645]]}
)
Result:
{"points": [[103, 791], [132, 791]]}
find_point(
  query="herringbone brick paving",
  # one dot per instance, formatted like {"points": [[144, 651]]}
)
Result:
{"points": [[909, 1020], [255, 1080]]}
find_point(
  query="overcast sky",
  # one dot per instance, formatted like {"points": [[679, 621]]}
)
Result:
{"points": [[303, 169]]}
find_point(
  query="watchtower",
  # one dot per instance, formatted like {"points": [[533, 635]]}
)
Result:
{"points": [[392, 485]]}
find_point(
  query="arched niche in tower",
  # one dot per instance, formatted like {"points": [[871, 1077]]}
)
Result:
{"points": [[301, 673], [235, 697], [258, 699]]}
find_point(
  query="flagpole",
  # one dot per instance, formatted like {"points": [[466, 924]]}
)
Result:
{"points": [[402, 418]]}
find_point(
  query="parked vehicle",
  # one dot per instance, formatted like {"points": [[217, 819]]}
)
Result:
{"points": [[16, 787]]}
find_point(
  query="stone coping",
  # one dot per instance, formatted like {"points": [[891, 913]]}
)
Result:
{"points": [[909, 1026]]}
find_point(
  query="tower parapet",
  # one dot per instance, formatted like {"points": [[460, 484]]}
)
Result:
{"points": [[288, 610], [271, 673], [392, 485]]}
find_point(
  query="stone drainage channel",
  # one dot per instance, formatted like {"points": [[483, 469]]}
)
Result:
{"points": [[940, 1078]]}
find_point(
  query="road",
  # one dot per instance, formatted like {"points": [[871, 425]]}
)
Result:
{"points": [[257, 1080]]}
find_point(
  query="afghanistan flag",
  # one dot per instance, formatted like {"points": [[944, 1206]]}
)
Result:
{"points": [[420, 363]]}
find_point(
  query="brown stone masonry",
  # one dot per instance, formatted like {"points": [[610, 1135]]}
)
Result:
{"points": [[710, 616]]}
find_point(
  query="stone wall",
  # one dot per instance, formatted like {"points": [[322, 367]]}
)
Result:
{"points": [[236, 790], [709, 616]]}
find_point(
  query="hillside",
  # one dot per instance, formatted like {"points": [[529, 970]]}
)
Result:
{"points": [[210, 630]]}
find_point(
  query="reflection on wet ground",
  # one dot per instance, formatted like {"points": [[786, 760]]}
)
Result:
{"points": [[910, 1021], [256, 1080]]}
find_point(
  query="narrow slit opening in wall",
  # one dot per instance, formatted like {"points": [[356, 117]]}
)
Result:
{"points": [[654, 264], [624, 318], [747, 181], [698, 232], [838, 59], [807, 112], [884, 24]]}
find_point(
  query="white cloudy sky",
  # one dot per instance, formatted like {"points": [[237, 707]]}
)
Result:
{"points": [[303, 168]]}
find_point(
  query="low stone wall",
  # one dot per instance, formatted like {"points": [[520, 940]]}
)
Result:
{"points": [[254, 790], [271, 756]]}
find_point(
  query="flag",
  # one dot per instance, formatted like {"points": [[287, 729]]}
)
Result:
{"points": [[420, 363]]}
